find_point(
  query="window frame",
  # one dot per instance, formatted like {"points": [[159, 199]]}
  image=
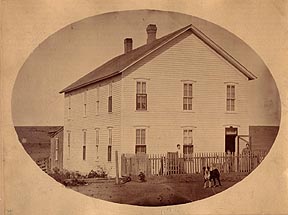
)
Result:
{"points": [[231, 97], [187, 96], [69, 106], [69, 143], [97, 100], [188, 142], [84, 148], [139, 140], [56, 148], [85, 103], [141, 95], [110, 101], [110, 143], [97, 142]]}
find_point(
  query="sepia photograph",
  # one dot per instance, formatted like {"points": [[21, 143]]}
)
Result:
{"points": [[149, 109], [146, 108]]}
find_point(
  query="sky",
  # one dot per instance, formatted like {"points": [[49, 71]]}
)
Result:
{"points": [[80, 47]]}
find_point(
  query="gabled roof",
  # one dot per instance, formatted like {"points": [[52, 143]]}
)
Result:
{"points": [[120, 63]]}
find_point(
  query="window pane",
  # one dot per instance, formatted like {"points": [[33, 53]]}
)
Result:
{"points": [[97, 137], [137, 136], [143, 87], [232, 92], [228, 91], [109, 153], [110, 104], [68, 139], [84, 152], [84, 138], [144, 102], [190, 90], [232, 105], [138, 90], [140, 149], [143, 136], [85, 97], [138, 102], [228, 104], [185, 90]]}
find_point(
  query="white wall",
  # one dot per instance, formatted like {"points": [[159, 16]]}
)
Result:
{"points": [[193, 60], [92, 121]]}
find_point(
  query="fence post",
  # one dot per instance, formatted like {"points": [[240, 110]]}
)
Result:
{"points": [[117, 167]]}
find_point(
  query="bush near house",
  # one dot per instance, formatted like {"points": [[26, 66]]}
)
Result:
{"points": [[70, 178]]}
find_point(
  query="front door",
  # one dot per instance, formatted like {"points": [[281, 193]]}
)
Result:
{"points": [[230, 137]]}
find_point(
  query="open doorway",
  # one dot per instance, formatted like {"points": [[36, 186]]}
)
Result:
{"points": [[230, 138]]}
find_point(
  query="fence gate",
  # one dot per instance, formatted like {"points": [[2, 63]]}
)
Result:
{"points": [[132, 164]]}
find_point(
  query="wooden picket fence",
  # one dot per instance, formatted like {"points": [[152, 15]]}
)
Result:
{"points": [[174, 163]]}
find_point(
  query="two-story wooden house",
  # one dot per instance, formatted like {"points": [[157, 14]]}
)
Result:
{"points": [[181, 89]]}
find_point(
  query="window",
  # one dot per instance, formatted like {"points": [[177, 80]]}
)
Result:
{"points": [[187, 96], [110, 98], [230, 98], [97, 143], [69, 142], [69, 107], [56, 148], [141, 96], [85, 103], [140, 141], [187, 142], [110, 144], [97, 101], [84, 145]]}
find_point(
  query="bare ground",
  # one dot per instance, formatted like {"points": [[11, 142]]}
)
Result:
{"points": [[158, 191]]}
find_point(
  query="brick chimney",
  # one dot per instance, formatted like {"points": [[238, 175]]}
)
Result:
{"points": [[128, 45], [151, 33]]}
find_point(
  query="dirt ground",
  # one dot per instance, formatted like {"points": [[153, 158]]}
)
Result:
{"points": [[158, 190]]}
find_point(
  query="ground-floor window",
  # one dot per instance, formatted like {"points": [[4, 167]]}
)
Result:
{"points": [[187, 142], [84, 145], [109, 153], [56, 148], [140, 141], [97, 143], [69, 142], [109, 144]]}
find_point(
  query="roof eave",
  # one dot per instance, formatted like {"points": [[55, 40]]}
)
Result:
{"points": [[223, 53], [67, 90]]}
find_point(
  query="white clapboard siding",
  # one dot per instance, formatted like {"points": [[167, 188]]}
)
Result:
{"points": [[165, 71], [192, 60], [92, 121]]}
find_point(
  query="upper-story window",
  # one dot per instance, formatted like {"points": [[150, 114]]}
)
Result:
{"points": [[97, 100], [230, 97], [141, 96], [110, 98], [69, 106], [187, 96], [85, 103]]}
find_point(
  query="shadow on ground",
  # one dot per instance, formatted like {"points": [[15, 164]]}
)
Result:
{"points": [[158, 190]]}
